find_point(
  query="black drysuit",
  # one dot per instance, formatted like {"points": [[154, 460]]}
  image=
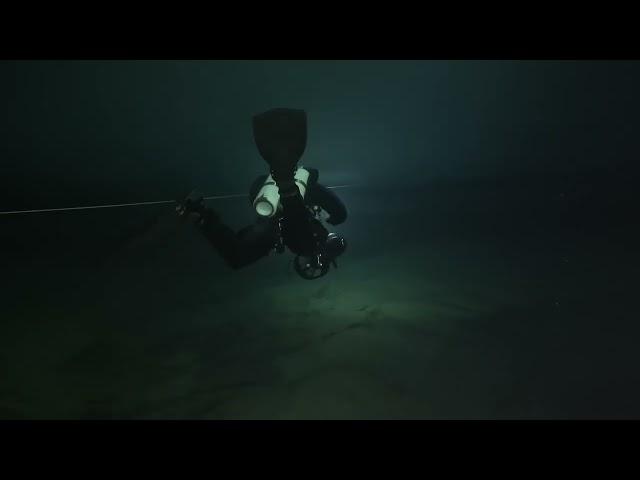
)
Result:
{"points": [[294, 226]]}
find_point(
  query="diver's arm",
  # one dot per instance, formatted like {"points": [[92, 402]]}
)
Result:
{"points": [[329, 201]]}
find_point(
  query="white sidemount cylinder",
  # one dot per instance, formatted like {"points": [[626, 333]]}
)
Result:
{"points": [[267, 202], [268, 199], [301, 178]]}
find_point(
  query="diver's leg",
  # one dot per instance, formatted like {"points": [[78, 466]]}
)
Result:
{"points": [[237, 250]]}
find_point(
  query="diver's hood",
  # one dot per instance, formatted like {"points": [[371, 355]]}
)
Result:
{"points": [[334, 246], [318, 265]]}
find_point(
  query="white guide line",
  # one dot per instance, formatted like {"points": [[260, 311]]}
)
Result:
{"points": [[119, 205]]}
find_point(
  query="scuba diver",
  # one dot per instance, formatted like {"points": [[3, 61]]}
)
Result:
{"points": [[289, 202]]}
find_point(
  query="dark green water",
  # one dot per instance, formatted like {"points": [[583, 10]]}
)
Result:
{"points": [[492, 268]]}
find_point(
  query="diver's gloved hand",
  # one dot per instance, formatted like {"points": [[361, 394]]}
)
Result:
{"points": [[193, 203]]}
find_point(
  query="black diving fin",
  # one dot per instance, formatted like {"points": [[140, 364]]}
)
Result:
{"points": [[281, 137]]}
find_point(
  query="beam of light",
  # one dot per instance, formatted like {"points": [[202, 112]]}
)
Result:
{"points": [[120, 205]]}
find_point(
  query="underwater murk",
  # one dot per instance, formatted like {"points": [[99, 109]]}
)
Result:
{"points": [[426, 249]]}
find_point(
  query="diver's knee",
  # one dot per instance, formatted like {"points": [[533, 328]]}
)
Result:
{"points": [[236, 262]]}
